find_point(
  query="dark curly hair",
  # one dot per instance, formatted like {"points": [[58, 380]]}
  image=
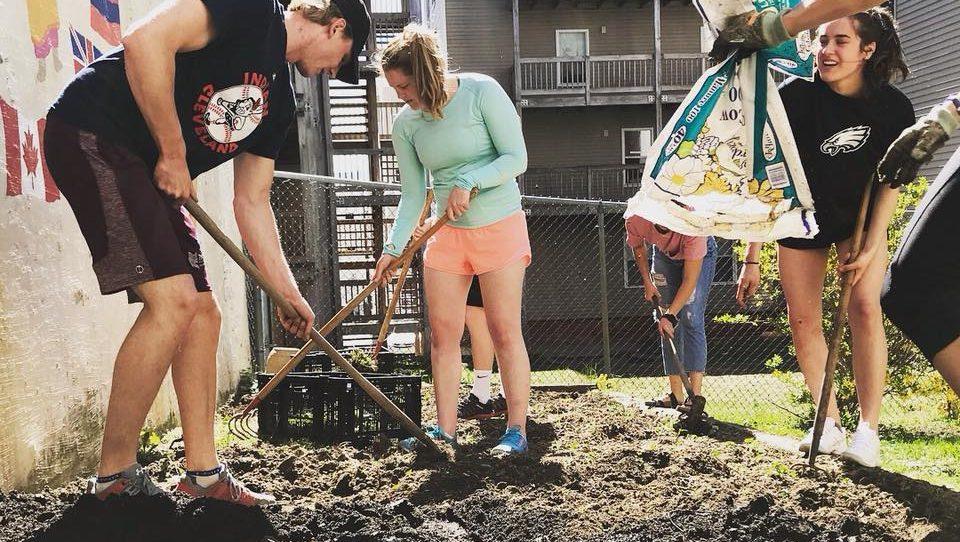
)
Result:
{"points": [[887, 64]]}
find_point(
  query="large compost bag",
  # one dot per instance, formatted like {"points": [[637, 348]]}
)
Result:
{"points": [[726, 163]]}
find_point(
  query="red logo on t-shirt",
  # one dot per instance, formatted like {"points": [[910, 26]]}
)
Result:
{"points": [[224, 117]]}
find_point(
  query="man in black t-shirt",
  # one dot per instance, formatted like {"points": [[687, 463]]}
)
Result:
{"points": [[195, 84]]}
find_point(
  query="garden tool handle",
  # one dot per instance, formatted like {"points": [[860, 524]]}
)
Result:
{"points": [[345, 311], [840, 323], [672, 349], [395, 299], [248, 266]]}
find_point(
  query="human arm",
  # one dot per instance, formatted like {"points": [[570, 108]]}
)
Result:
{"points": [[150, 48], [770, 27], [918, 143], [503, 125], [749, 279], [253, 176]]}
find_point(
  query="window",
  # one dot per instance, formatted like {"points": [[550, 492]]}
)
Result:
{"points": [[728, 267], [573, 44], [635, 143]]}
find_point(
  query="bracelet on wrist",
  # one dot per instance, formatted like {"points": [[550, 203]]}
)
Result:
{"points": [[751, 262], [672, 318]]}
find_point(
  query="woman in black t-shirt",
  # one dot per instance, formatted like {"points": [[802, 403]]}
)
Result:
{"points": [[843, 123]]}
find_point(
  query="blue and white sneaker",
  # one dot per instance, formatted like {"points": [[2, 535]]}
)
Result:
{"points": [[511, 443], [411, 444]]}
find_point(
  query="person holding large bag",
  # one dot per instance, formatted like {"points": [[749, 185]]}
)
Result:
{"points": [[843, 123]]}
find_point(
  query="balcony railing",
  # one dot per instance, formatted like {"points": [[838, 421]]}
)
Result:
{"points": [[609, 183], [593, 79]]}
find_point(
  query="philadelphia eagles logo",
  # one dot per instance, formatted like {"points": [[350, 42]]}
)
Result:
{"points": [[846, 141]]}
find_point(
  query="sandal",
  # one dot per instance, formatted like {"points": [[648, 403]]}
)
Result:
{"points": [[663, 402], [687, 406]]}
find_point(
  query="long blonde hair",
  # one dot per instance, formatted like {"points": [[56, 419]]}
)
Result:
{"points": [[416, 52]]}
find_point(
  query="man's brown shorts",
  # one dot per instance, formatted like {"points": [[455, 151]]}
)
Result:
{"points": [[136, 233]]}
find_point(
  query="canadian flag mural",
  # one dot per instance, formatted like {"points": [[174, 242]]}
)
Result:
{"points": [[24, 165]]}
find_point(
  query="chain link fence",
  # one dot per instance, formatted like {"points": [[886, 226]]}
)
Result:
{"points": [[585, 320]]}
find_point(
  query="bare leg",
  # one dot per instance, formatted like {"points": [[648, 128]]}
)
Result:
{"points": [[869, 341], [696, 382], [141, 364], [947, 361], [676, 388], [447, 298], [195, 379], [502, 298], [801, 275], [481, 344]]}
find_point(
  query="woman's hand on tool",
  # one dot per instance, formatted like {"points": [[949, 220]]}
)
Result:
{"points": [[422, 228], [458, 202], [173, 178], [301, 323], [748, 283], [858, 266], [380, 273]]}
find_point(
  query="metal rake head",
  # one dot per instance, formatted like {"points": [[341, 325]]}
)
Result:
{"points": [[240, 425]]}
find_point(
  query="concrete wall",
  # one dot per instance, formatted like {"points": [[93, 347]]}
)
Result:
{"points": [[58, 336]]}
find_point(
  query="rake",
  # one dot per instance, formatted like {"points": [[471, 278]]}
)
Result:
{"points": [[693, 419], [839, 325], [316, 337], [401, 279]]}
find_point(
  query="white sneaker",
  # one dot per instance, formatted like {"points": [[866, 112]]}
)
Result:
{"points": [[865, 446], [832, 441]]}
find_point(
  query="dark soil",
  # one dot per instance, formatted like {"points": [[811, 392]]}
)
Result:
{"points": [[597, 471]]}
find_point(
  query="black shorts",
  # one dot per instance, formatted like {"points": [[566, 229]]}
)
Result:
{"points": [[474, 296], [921, 292], [135, 233], [825, 238]]}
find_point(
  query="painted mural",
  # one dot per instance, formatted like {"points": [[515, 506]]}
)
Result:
{"points": [[40, 27]]}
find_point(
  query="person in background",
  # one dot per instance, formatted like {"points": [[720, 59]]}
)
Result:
{"points": [[680, 280]]}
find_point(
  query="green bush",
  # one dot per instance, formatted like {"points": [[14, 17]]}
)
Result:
{"points": [[908, 371]]}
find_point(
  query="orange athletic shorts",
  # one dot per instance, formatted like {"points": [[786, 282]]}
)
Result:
{"points": [[475, 251]]}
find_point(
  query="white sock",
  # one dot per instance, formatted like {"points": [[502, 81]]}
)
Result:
{"points": [[206, 478], [103, 482], [481, 385]]}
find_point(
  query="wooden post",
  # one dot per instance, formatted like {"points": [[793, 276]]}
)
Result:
{"points": [[604, 302]]}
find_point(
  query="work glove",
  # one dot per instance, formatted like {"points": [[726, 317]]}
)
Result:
{"points": [[756, 30], [917, 145]]}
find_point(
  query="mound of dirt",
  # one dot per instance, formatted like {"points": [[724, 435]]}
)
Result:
{"points": [[597, 471]]}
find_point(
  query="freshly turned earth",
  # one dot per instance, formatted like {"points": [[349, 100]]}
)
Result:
{"points": [[597, 471]]}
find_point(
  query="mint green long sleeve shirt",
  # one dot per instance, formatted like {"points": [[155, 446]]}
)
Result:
{"points": [[477, 144]]}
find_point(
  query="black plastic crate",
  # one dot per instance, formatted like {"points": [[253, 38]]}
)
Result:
{"points": [[387, 362], [328, 407], [359, 417]]}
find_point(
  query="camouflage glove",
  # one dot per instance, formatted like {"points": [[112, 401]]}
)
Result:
{"points": [[917, 145], [756, 30]]}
